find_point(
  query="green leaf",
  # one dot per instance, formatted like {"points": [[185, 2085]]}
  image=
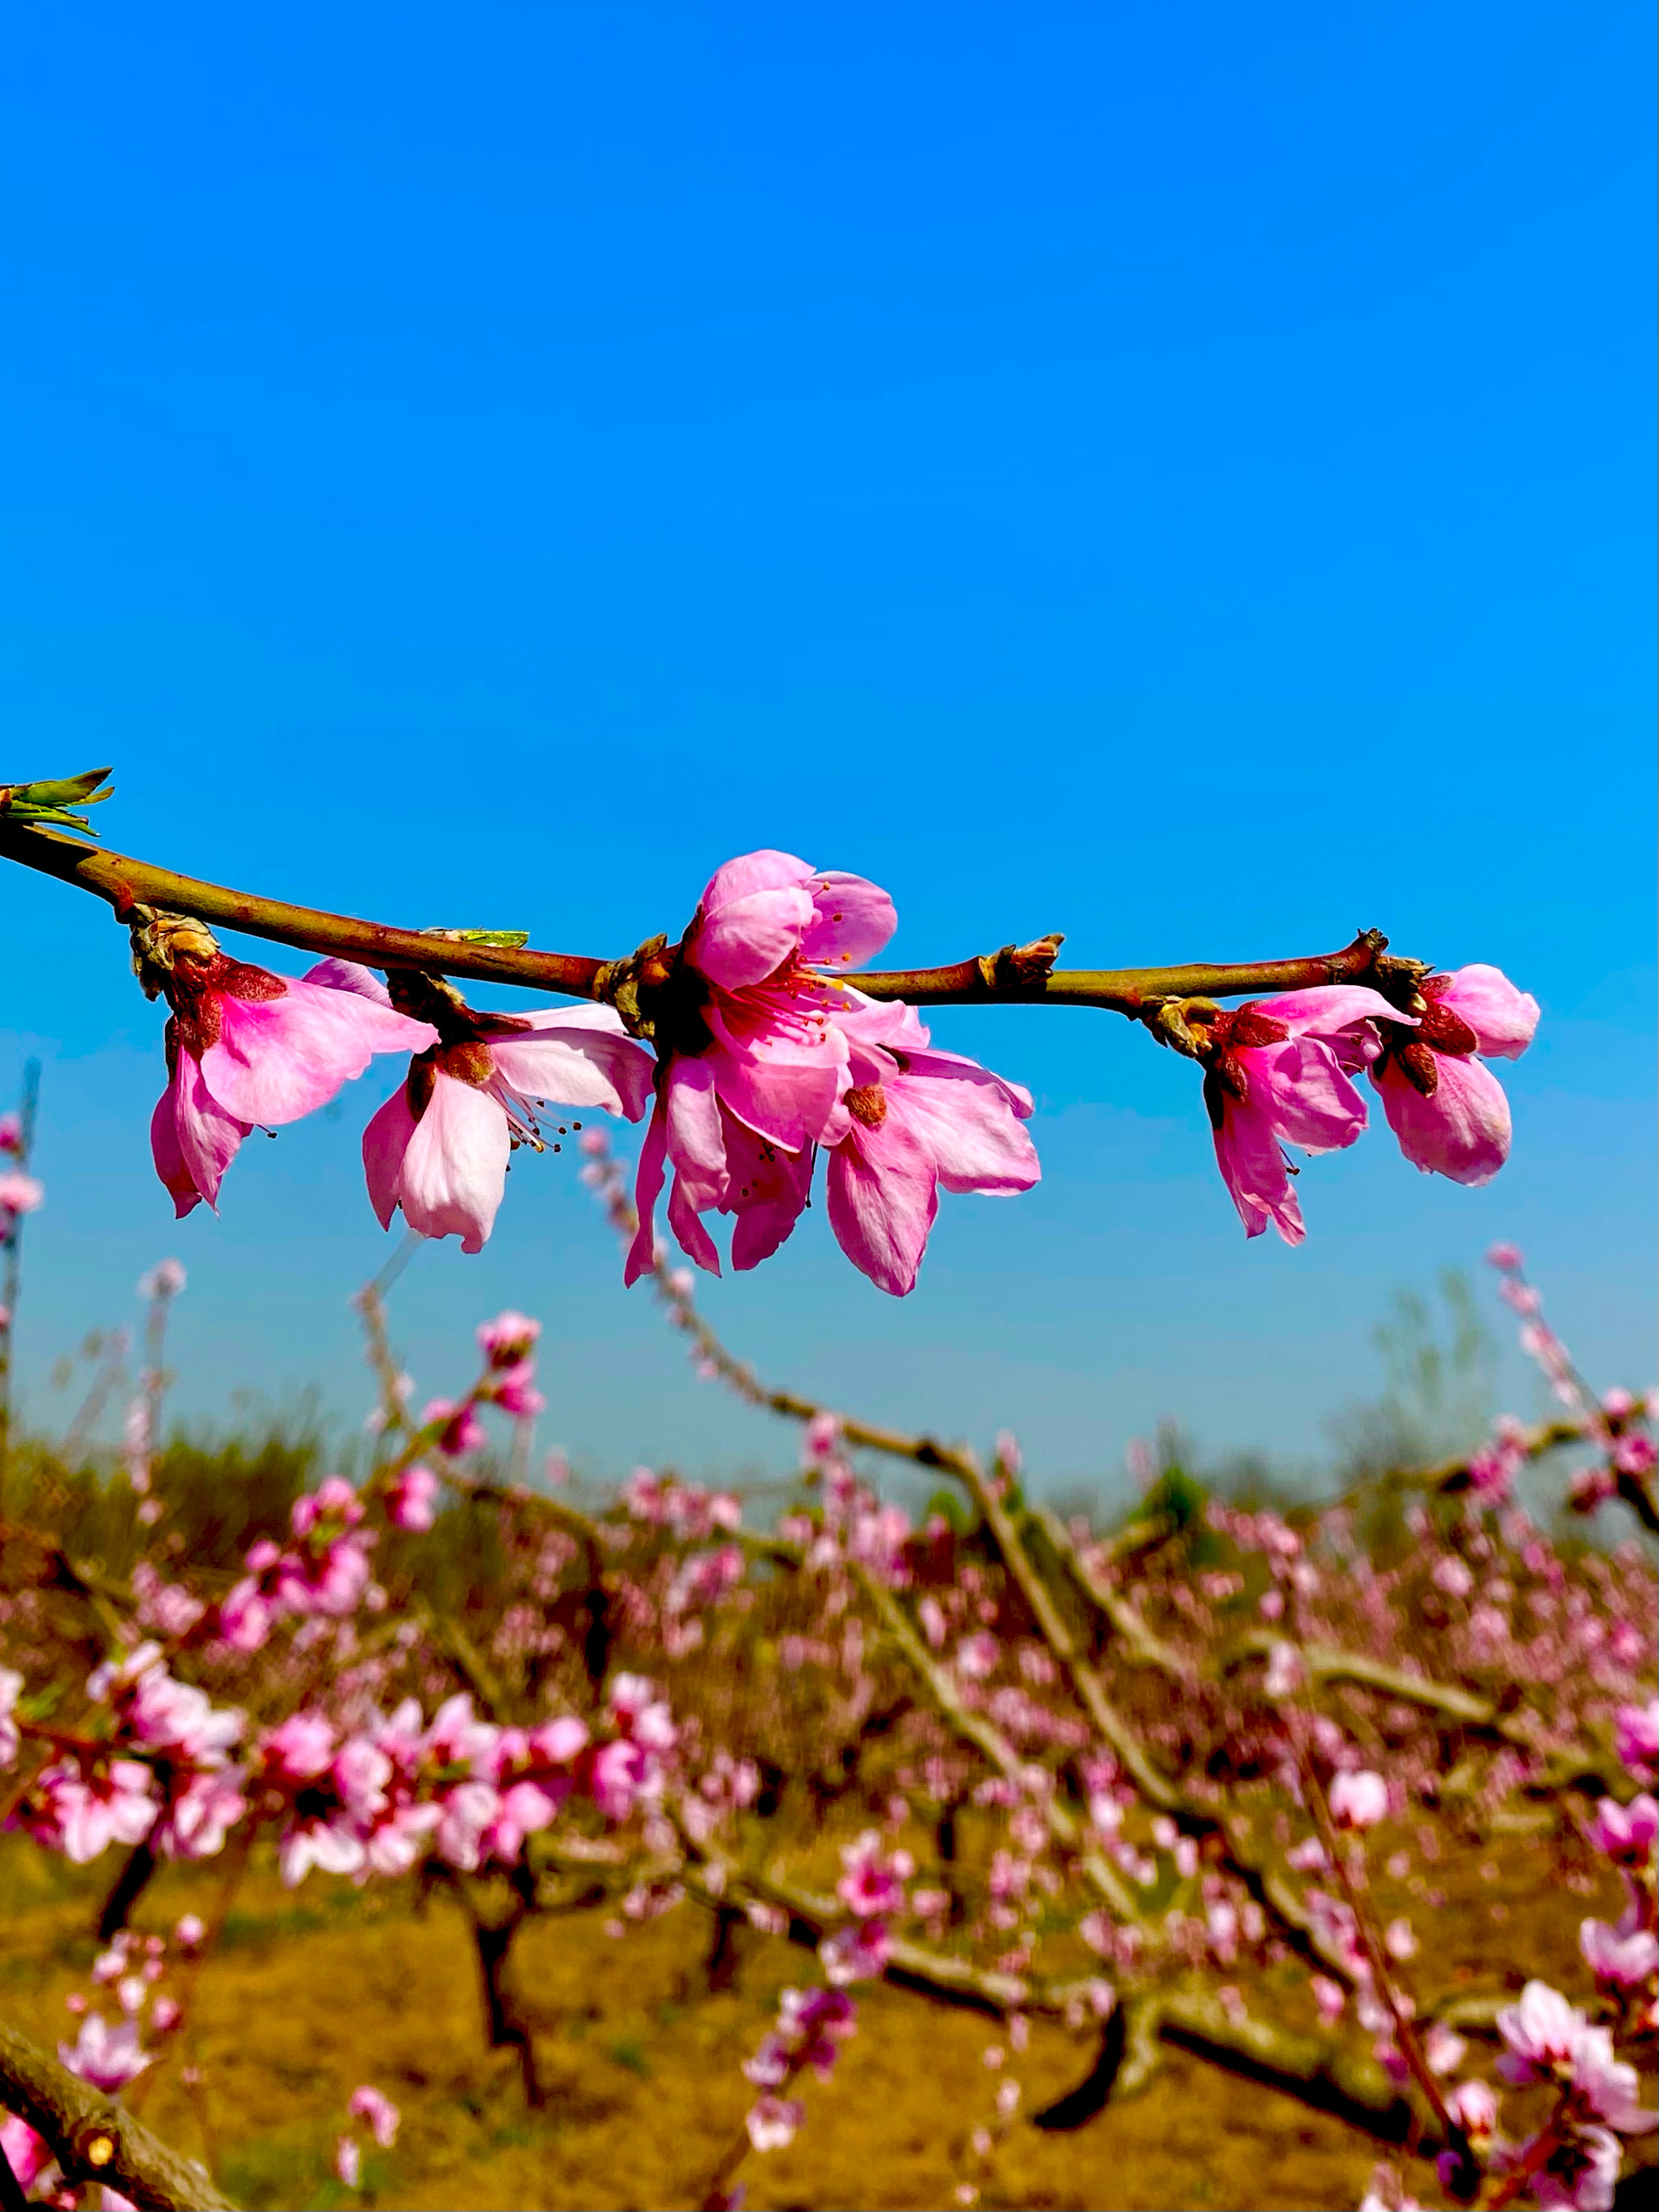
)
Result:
{"points": [[48, 802], [66, 791]]}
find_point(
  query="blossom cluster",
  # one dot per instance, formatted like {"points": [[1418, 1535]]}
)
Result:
{"points": [[767, 1056]]}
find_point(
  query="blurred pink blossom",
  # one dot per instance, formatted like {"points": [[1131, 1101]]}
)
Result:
{"points": [[1358, 1800], [18, 1193], [378, 2113], [410, 1498], [1636, 1729], [773, 2120], [108, 2058]]}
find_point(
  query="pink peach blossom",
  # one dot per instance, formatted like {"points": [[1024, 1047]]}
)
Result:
{"points": [[1581, 2173], [1447, 1109], [751, 1046], [1358, 1800], [378, 2113], [19, 1193], [855, 1954], [1636, 1731], [773, 2122], [108, 2058], [28, 2154], [917, 1121], [439, 1148], [1542, 2032], [1625, 1957], [83, 1817], [1277, 1073], [11, 1688], [410, 1498], [1625, 1833], [246, 1049], [1473, 2105], [510, 1338], [873, 1880]]}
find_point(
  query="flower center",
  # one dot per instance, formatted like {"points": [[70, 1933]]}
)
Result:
{"points": [[866, 1102]]}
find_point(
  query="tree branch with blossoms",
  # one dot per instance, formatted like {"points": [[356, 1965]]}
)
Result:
{"points": [[772, 1042]]}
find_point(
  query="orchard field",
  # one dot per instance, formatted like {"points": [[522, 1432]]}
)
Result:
{"points": [[436, 1839], [901, 1839]]}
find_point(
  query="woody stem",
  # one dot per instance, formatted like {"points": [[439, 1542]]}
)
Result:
{"points": [[124, 883]]}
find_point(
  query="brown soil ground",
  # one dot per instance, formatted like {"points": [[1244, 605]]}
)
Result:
{"points": [[312, 1992]]}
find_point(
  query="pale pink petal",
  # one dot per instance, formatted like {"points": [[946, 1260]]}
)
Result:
{"points": [[851, 919], [751, 916], [648, 1188], [694, 1239], [1462, 1132], [766, 1189], [1340, 1015], [576, 1056], [968, 1119], [349, 976], [1304, 1092], [169, 1159], [888, 1022], [384, 1142], [791, 1096], [207, 1137], [883, 1200], [1502, 1018], [1253, 1168], [454, 1170], [276, 1059], [697, 1141]]}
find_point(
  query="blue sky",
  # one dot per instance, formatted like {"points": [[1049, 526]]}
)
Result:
{"points": [[1178, 475]]}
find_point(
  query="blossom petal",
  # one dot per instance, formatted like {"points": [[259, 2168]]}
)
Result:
{"points": [[1502, 1018], [752, 915], [1253, 1168], [695, 1240], [276, 1059], [1461, 1131], [1340, 1015], [648, 1188], [348, 975], [970, 1119], [1304, 1093], [454, 1169], [169, 1158], [697, 1139], [793, 1100], [766, 1189], [206, 1139], [883, 1200], [384, 1142], [576, 1056], [851, 919]]}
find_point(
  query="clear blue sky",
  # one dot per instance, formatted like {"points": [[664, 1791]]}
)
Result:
{"points": [[1177, 475]]}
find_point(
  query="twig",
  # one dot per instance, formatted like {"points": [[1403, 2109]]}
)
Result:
{"points": [[93, 2139], [1017, 975]]}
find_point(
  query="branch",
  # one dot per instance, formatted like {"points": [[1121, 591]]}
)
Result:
{"points": [[1017, 975], [1275, 1896], [124, 883], [93, 2139], [1317, 2070], [1013, 976]]}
